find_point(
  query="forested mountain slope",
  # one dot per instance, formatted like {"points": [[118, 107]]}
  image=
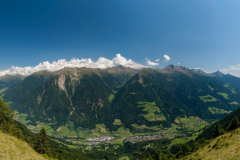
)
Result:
{"points": [[135, 99], [155, 97], [82, 95]]}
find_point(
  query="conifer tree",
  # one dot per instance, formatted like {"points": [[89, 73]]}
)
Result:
{"points": [[234, 124], [42, 145], [149, 157], [218, 130], [159, 154]]}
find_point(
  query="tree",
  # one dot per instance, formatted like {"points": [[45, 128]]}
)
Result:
{"points": [[185, 149], [234, 124], [6, 116], [159, 154], [218, 130], [7, 123], [42, 145], [147, 157]]}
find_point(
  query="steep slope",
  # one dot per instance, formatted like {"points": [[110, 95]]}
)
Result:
{"points": [[19, 90], [13, 148], [208, 132], [81, 95], [142, 101], [207, 96], [222, 147], [155, 96]]}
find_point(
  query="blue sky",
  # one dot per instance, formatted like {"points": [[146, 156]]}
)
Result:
{"points": [[197, 34]]}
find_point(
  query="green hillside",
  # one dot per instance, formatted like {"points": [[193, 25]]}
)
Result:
{"points": [[208, 132], [143, 101], [222, 147], [13, 148], [156, 98]]}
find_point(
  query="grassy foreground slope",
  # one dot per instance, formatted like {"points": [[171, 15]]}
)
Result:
{"points": [[13, 148], [222, 147]]}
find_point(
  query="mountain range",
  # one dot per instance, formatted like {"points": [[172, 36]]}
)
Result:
{"points": [[121, 96]]}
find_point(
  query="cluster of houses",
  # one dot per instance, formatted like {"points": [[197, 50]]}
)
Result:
{"points": [[100, 139], [95, 141], [149, 137]]}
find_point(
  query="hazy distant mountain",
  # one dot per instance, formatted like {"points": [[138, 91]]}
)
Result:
{"points": [[228, 78], [218, 74], [19, 90], [10, 80]]}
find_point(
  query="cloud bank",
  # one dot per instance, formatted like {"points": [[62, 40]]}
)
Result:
{"points": [[60, 64]]}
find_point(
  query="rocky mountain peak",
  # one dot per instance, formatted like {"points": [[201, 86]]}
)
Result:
{"points": [[198, 71], [218, 74], [169, 68]]}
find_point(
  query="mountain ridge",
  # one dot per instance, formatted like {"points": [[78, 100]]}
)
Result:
{"points": [[152, 97]]}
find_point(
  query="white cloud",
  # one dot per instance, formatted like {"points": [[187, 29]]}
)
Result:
{"points": [[150, 63], [167, 58], [178, 63], [233, 70], [157, 60], [60, 64], [127, 63]]}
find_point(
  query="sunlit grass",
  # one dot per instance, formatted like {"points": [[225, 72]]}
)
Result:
{"points": [[222, 147], [208, 98], [233, 103], [214, 110], [12, 148], [225, 95], [230, 88], [153, 111]]}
